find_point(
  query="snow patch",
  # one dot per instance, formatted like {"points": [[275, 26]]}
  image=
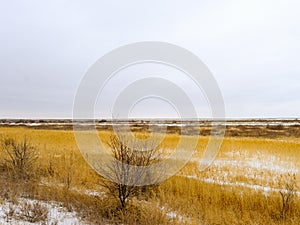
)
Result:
{"points": [[56, 214]]}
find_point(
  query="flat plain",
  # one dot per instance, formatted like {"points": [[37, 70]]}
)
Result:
{"points": [[255, 170]]}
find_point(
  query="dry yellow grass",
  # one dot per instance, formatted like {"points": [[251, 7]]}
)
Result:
{"points": [[252, 161]]}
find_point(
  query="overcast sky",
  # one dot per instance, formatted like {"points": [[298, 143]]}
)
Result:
{"points": [[252, 48]]}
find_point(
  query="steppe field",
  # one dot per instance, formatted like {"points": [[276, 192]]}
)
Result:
{"points": [[255, 178]]}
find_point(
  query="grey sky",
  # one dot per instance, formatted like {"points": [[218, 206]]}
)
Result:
{"points": [[251, 47]]}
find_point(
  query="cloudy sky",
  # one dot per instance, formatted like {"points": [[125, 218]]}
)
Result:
{"points": [[252, 47]]}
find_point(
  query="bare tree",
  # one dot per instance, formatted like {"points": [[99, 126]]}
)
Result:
{"points": [[129, 169], [19, 157]]}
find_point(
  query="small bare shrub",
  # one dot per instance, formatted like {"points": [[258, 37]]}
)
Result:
{"points": [[19, 158], [67, 169], [33, 212], [288, 185], [130, 167], [9, 212]]}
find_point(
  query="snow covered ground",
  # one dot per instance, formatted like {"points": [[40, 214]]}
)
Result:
{"points": [[265, 189], [258, 171], [28, 212]]}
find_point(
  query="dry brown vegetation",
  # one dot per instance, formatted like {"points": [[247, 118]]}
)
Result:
{"points": [[222, 194]]}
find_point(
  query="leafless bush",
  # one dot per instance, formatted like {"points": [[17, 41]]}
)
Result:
{"points": [[69, 164], [129, 168], [19, 157], [32, 212], [288, 185], [9, 212]]}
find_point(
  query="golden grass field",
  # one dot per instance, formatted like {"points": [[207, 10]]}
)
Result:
{"points": [[242, 186]]}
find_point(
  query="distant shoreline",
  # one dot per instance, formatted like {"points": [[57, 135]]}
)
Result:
{"points": [[158, 122], [270, 128], [149, 119]]}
